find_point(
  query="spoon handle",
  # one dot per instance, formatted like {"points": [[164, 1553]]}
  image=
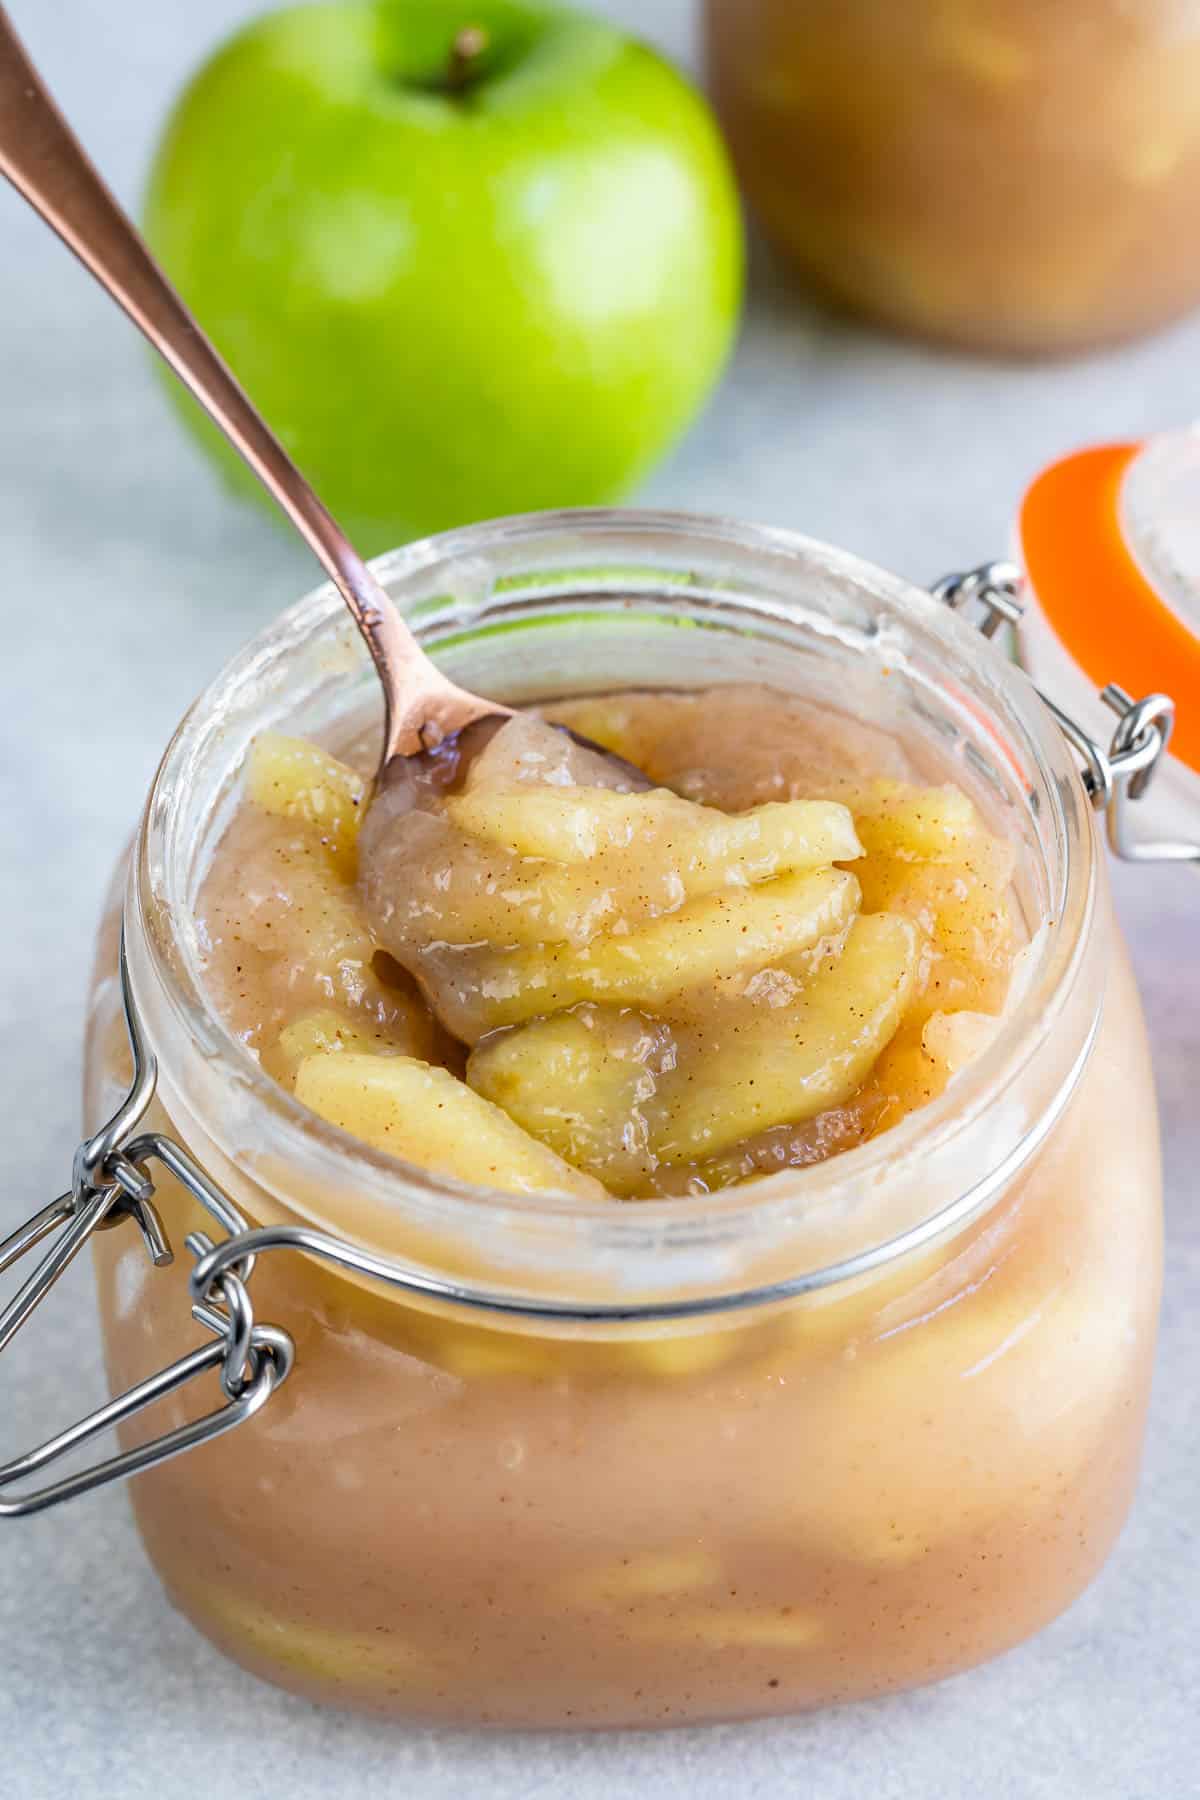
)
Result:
{"points": [[45, 162]]}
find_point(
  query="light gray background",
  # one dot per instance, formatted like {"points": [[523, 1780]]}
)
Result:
{"points": [[128, 578]]}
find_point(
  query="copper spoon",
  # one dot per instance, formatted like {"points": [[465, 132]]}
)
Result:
{"points": [[46, 163]]}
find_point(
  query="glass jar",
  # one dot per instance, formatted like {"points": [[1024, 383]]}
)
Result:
{"points": [[1021, 175], [838, 1432]]}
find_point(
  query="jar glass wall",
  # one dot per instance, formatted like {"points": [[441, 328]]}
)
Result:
{"points": [[897, 1428], [1003, 173]]}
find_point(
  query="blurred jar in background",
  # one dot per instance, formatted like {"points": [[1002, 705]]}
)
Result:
{"points": [[1018, 175]]}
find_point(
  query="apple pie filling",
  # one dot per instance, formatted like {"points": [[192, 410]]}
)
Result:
{"points": [[535, 974], [525, 971]]}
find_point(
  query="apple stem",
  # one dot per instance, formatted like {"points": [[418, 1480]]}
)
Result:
{"points": [[465, 52]]}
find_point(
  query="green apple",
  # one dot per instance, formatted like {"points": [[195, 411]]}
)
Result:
{"points": [[469, 257]]}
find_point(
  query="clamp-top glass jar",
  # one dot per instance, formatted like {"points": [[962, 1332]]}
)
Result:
{"points": [[841, 1431], [1016, 174]]}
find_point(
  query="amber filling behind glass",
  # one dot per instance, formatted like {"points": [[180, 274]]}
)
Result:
{"points": [[522, 973]]}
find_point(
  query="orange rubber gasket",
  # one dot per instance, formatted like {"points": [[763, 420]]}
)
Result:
{"points": [[1096, 600]]}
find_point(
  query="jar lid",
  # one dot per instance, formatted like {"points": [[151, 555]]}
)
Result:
{"points": [[1109, 540]]}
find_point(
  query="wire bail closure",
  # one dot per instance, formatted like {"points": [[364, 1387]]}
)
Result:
{"points": [[111, 1181], [1114, 777], [111, 1178]]}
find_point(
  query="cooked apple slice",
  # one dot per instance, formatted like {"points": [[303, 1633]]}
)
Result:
{"points": [[287, 938], [788, 1063], [742, 928], [647, 1575], [323, 1033], [964, 908], [677, 1356], [721, 1627], [376, 1662], [475, 1355], [426, 882], [929, 857], [422, 1113], [570, 860], [905, 1076], [916, 824], [294, 779], [578, 1081], [708, 849], [407, 1030], [921, 1059], [329, 962]]}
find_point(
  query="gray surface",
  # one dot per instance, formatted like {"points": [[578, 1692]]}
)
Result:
{"points": [[139, 578]]}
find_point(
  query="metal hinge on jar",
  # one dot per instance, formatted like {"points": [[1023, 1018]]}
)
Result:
{"points": [[1115, 777], [111, 1182]]}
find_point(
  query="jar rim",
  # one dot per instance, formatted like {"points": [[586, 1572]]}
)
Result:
{"points": [[178, 985]]}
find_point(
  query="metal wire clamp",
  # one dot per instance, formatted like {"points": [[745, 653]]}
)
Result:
{"points": [[1114, 777], [111, 1182]]}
